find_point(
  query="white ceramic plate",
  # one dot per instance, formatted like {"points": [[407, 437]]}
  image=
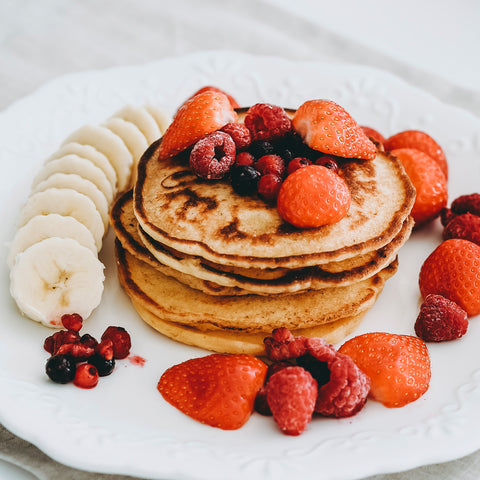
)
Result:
{"points": [[124, 425]]}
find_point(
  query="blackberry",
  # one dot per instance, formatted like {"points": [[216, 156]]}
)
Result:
{"points": [[60, 368], [244, 179]]}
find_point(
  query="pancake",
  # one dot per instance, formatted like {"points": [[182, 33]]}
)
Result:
{"points": [[216, 280], [227, 341], [176, 302], [209, 220]]}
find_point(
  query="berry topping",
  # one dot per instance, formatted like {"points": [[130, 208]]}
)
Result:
{"points": [[329, 162], [260, 148], [269, 186], [240, 134], [467, 204], [429, 182], [446, 215], [218, 390], [203, 114], [271, 164], [283, 345], [373, 134], [86, 376], [88, 340], [453, 270], [210, 88], [313, 196], [398, 366], [77, 351], [440, 319], [466, 226], [244, 179], [244, 158], [105, 349], [120, 339], [328, 128], [419, 141], [55, 341], [267, 122], [296, 163], [291, 397], [60, 368], [212, 156], [104, 367], [72, 321]]}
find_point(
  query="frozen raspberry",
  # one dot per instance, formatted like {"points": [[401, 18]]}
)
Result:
{"points": [[86, 376], [105, 349], [296, 163], [440, 319], [467, 203], [213, 155], [240, 134], [120, 339], [269, 186], [328, 161], [77, 351], [446, 215], [347, 389], [244, 158], [72, 321], [244, 179], [271, 164], [267, 122], [283, 345], [466, 226], [291, 396], [55, 341]]}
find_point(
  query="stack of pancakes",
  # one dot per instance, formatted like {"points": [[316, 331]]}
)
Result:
{"points": [[208, 267]]}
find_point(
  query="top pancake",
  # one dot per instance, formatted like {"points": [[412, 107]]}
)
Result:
{"points": [[208, 219]]}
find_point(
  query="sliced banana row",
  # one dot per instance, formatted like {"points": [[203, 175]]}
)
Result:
{"points": [[53, 258]]}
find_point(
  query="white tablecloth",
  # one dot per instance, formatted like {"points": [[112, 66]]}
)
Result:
{"points": [[432, 44]]}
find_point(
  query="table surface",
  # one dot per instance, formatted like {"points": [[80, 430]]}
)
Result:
{"points": [[432, 44]]}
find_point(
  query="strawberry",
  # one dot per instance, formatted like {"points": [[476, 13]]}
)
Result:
{"points": [[210, 88], [453, 270], [202, 114], [327, 127], [429, 182], [218, 389], [291, 396], [313, 196], [420, 141], [440, 319], [373, 134], [398, 366]]}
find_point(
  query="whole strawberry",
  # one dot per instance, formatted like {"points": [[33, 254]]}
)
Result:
{"points": [[398, 366], [453, 270], [440, 319], [291, 396], [328, 128], [218, 390]]}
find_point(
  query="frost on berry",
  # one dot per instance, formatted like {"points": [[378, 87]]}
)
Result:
{"points": [[283, 345], [267, 122], [240, 134]]}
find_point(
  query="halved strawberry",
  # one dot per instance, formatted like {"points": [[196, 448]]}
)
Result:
{"points": [[398, 366], [202, 114], [211, 88], [327, 127], [218, 390]]}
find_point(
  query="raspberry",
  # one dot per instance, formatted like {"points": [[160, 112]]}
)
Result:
{"points": [[212, 156], [244, 179], [86, 376], [269, 186], [283, 345], [105, 349], [291, 396], [296, 163], [271, 164], [244, 158], [55, 341], [466, 226], [467, 204], [240, 134], [328, 161], [72, 321], [120, 339], [267, 122], [440, 319], [313, 196], [347, 388], [446, 215]]}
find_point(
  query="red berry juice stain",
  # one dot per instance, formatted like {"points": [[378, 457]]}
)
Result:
{"points": [[137, 360]]}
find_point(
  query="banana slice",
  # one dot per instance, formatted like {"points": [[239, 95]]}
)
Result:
{"points": [[111, 145], [162, 118], [54, 277], [73, 164], [142, 119], [130, 134], [41, 227], [69, 203], [90, 153], [81, 185]]}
